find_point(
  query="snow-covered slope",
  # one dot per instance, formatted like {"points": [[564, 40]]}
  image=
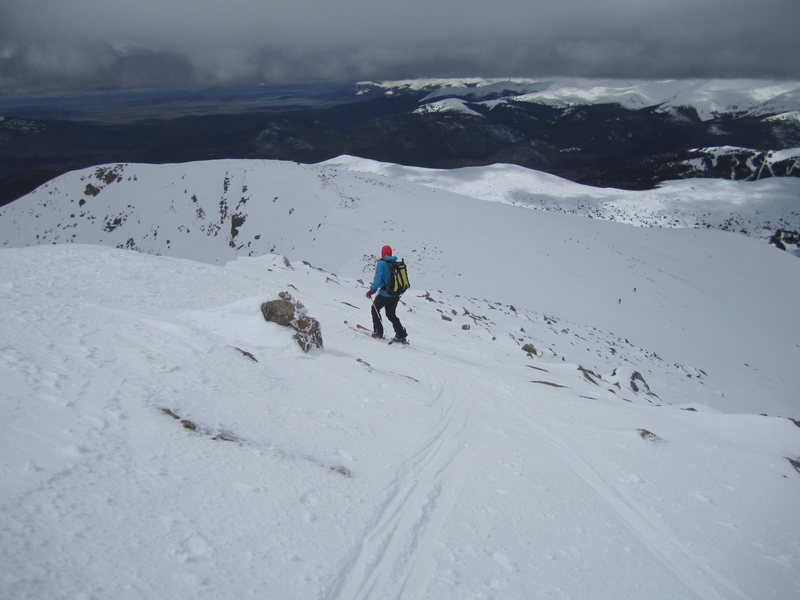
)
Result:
{"points": [[330, 214], [588, 409], [336, 215], [447, 105], [458, 467], [746, 163], [755, 208]]}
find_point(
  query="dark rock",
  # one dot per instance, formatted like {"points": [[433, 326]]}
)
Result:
{"points": [[278, 311], [649, 436]]}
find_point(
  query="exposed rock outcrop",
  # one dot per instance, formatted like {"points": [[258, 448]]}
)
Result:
{"points": [[288, 312]]}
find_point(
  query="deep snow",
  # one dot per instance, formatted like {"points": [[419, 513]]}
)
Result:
{"points": [[459, 467]]}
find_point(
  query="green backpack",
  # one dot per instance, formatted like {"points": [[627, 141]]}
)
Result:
{"points": [[398, 277]]}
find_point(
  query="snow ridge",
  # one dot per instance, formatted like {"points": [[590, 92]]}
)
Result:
{"points": [[109, 204], [756, 208]]}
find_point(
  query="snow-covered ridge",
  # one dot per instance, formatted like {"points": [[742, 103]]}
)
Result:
{"points": [[792, 116], [467, 83], [222, 209], [710, 98], [756, 208], [447, 105], [220, 200], [760, 163]]}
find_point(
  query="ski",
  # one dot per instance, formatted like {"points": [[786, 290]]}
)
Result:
{"points": [[368, 332]]}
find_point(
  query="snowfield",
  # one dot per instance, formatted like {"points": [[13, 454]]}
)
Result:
{"points": [[756, 208], [587, 409]]}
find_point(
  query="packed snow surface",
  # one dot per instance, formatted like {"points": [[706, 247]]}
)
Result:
{"points": [[586, 410]]}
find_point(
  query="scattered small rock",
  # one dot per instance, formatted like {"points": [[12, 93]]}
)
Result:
{"points": [[91, 190], [342, 471], [649, 436], [589, 375], [187, 424], [550, 383], [639, 384], [246, 353]]}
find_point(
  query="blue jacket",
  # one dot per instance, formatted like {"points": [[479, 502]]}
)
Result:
{"points": [[383, 276]]}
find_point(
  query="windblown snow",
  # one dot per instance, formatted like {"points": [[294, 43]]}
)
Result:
{"points": [[587, 409]]}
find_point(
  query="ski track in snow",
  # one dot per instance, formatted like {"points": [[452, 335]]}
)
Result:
{"points": [[652, 532], [386, 558]]}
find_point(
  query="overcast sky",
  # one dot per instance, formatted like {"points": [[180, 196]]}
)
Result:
{"points": [[98, 44]]}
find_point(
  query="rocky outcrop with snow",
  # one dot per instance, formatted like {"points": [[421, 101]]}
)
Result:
{"points": [[288, 312]]}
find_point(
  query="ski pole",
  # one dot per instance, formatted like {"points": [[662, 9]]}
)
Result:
{"points": [[375, 308]]}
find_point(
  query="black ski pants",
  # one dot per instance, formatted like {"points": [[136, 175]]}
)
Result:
{"points": [[389, 303]]}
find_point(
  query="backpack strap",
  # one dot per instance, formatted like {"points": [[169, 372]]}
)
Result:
{"points": [[389, 282]]}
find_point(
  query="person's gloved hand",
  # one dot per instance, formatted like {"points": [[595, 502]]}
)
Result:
{"points": [[369, 293]]}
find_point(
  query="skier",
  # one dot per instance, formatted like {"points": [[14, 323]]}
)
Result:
{"points": [[385, 299]]}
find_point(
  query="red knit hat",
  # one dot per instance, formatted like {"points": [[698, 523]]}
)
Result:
{"points": [[386, 251]]}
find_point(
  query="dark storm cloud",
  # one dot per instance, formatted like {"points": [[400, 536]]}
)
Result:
{"points": [[91, 44]]}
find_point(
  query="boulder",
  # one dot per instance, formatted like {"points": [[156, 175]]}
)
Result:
{"points": [[288, 312]]}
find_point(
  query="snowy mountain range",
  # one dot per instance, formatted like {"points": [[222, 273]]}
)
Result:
{"points": [[599, 407], [709, 98], [717, 103], [624, 134]]}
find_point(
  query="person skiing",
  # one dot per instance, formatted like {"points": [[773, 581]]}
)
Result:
{"points": [[385, 299]]}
